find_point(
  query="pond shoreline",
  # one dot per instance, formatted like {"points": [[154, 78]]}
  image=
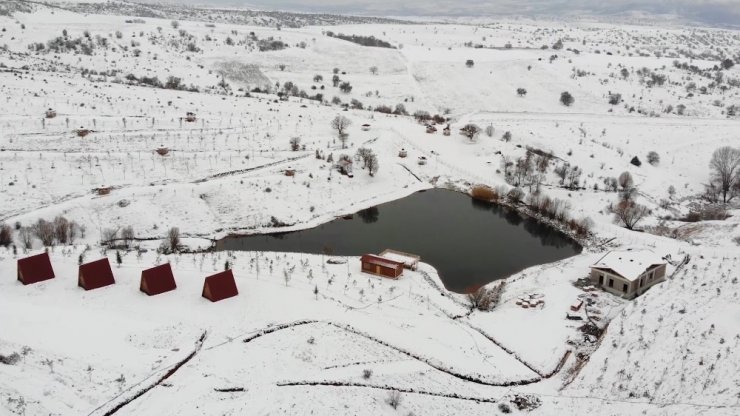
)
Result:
{"points": [[470, 242]]}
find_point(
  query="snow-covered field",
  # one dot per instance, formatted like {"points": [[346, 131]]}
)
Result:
{"points": [[307, 337]]}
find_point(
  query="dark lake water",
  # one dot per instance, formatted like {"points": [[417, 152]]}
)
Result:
{"points": [[469, 242]]}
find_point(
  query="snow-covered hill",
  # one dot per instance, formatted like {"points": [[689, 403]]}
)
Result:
{"points": [[307, 337]]}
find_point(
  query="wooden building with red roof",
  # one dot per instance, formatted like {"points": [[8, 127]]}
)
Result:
{"points": [[157, 280], [381, 266], [95, 274], [220, 286], [35, 269]]}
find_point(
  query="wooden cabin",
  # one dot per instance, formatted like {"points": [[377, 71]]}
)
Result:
{"points": [[422, 160], [431, 129], [190, 117], [82, 132], [50, 113], [289, 172], [365, 127], [381, 266], [403, 153], [162, 151]]}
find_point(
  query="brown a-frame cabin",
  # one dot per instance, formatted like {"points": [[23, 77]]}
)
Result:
{"points": [[35, 269], [95, 275], [157, 280], [220, 286]]}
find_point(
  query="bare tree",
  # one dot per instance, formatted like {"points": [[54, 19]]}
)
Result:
{"points": [[394, 398], [44, 230], [127, 234], [470, 131], [629, 213], [625, 181], [340, 124], [61, 229], [6, 235], [364, 154], [25, 234], [295, 143], [372, 164], [109, 235], [725, 165], [173, 237]]}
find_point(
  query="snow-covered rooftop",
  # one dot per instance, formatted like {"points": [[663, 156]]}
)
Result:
{"points": [[630, 264]]}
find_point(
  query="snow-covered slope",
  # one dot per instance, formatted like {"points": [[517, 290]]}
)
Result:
{"points": [[299, 337]]}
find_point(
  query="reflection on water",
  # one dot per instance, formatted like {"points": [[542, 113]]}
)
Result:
{"points": [[468, 247]]}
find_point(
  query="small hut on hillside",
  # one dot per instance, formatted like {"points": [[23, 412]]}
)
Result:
{"points": [[190, 117], [50, 113], [35, 269], [431, 129], [365, 127]]}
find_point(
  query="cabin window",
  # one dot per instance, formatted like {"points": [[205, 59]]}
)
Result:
{"points": [[601, 279], [367, 266], [651, 275], [624, 288], [611, 282]]}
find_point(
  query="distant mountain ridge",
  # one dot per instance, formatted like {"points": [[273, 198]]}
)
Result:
{"points": [[218, 15]]}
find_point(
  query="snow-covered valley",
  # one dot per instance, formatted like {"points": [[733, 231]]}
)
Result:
{"points": [[95, 141]]}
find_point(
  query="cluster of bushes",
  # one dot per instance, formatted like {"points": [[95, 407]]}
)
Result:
{"points": [[424, 117], [57, 231], [361, 40], [63, 44], [172, 83], [707, 213], [271, 44], [552, 208], [485, 299]]}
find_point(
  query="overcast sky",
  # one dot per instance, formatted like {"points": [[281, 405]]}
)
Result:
{"points": [[712, 11]]}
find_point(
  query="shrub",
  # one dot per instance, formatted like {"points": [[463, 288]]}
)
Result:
{"points": [[367, 373], [44, 231], [6, 235], [636, 161], [566, 98], [173, 238], [484, 193], [394, 398], [653, 158], [515, 195]]}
